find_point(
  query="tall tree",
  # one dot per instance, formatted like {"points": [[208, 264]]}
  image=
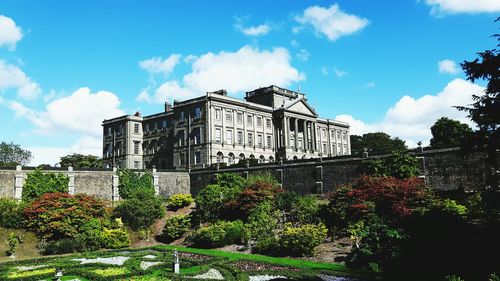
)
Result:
{"points": [[12, 154], [81, 161], [447, 132], [485, 111], [377, 143]]}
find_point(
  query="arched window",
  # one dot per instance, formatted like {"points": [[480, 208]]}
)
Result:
{"points": [[271, 159], [295, 158], [241, 158], [262, 159], [230, 158], [252, 156], [220, 157]]}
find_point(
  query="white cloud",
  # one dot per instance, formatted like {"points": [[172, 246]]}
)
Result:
{"points": [[440, 7], [411, 118], [331, 22], [370, 85], [448, 66], [338, 72], [51, 154], [81, 112], [10, 33], [13, 77], [243, 70], [258, 30], [303, 55], [294, 43], [325, 70], [158, 65]]}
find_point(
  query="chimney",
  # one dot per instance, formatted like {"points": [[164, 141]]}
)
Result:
{"points": [[137, 113], [168, 106]]}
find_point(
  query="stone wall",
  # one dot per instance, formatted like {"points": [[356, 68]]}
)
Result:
{"points": [[101, 183], [443, 169]]}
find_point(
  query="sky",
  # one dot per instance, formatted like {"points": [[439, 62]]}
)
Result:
{"points": [[390, 66]]}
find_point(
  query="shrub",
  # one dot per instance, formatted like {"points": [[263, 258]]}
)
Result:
{"points": [[12, 241], [451, 208], [306, 209], [141, 210], [90, 235], [303, 239], [231, 181], [63, 246], [219, 234], [286, 200], [268, 245], [210, 200], [131, 182], [178, 201], [39, 183], [400, 165], [11, 213], [263, 221], [61, 215], [115, 238], [175, 227]]}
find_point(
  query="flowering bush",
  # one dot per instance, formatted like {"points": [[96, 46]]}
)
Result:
{"points": [[60, 215]]}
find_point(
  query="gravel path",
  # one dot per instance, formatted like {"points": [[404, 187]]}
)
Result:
{"points": [[147, 264], [119, 260], [265, 277], [213, 274]]}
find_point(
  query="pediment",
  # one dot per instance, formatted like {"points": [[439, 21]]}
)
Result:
{"points": [[301, 106]]}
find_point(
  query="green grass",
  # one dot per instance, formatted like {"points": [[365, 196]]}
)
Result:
{"points": [[297, 263], [25, 250]]}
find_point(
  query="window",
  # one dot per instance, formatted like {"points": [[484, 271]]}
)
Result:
{"points": [[182, 116], [136, 128], [259, 140], [229, 116], [217, 135], [220, 157], [229, 136], [182, 159], [146, 128], [217, 114], [250, 139], [268, 123], [240, 137], [299, 144], [230, 158], [344, 136], [324, 148], [323, 134], [156, 126], [136, 164], [338, 135], [292, 143], [182, 137], [250, 120], [259, 121], [197, 157], [239, 117], [164, 124], [197, 113], [269, 141], [339, 150], [136, 147], [197, 135], [110, 131]]}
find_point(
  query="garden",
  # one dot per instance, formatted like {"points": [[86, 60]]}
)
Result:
{"points": [[385, 225]]}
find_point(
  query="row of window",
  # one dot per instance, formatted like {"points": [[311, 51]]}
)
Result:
{"points": [[196, 116], [240, 138], [155, 126], [340, 135], [239, 118]]}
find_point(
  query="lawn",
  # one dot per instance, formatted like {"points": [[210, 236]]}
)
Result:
{"points": [[154, 263]]}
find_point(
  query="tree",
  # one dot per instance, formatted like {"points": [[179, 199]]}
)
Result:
{"points": [[485, 111], [81, 161], [377, 143], [448, 133], [12, 154]]}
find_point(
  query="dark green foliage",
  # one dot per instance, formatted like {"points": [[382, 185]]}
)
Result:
{"points": [[12, 154], [61, 215], [231, 181], [141, 209], [376, 144], [11, 213], [38, 183], [210, 200], [12, 241], [131, 182], [81, 161], [449, 133], [400, 165], [263, 221], [175, 227], [90, 235], [306, 209], [63, 246], [178, 201], [219, 234]]}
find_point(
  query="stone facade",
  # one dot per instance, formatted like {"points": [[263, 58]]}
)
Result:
{"points": [[271, 123]]}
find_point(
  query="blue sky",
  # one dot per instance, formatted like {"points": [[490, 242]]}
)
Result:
{"points": [[384, 65]]}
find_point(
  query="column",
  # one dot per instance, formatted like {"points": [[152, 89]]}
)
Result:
{"points": [[313, 132], [304, 141], [156, 182], [296, 133], [115, 196], [71, 182], [18, 183], [286, 125]]}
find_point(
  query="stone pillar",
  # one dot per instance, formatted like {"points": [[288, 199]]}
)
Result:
{"points": [[156, 181], [296, 133], [305, 138], [115, 182], [286, 125], [319, 179], [71, 183], [313, 131], [279, 175], [18, 183]]}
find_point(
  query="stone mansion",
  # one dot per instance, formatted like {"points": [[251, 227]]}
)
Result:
{"points": [[272, 123]]}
